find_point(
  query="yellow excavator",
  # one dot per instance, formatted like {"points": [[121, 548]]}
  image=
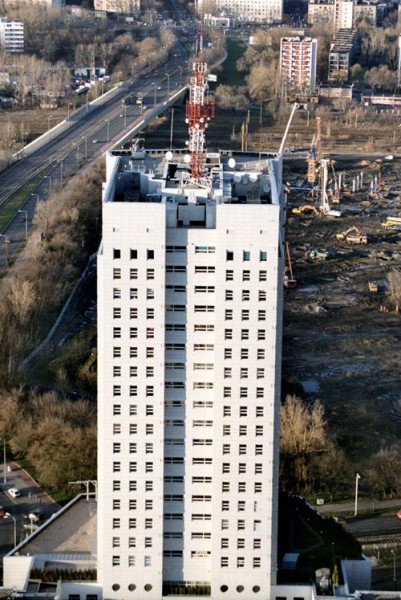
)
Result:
{"points": [[306, 209], [353, 236]]}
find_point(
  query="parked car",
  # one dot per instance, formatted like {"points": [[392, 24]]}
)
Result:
{"points": [[14, 492]]}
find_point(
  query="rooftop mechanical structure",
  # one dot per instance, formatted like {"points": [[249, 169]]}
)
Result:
{"points": [[199, 110]]}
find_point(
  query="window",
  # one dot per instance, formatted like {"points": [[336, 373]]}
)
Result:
{"points": [[244, 353], [202, 328], [116, 523], [246, 255], [149, 448], [115, 561], [224, 542], [244, 373], [133, 371], [116, 447], [243, 430], [133, 293], [229, 255], [116, 428], [226, 448], [240, 524], [229, 275], [241, 486], [227, 392], [241, 468], [202, 289], [116, 312], [258, 469], [150, 273], [116, 253], [116, 293], [262, 256], [116, 332], [148, 467], [242, 449], [262, 275], [131, 542], [258, 487], [224, 561], [132, 448], [257, 544], [133, 273], [228, 353], [132, 523], [148, 523], [205, 249], [116, 409], [203, 308], [116, 273], [150, 333], [245, 315], [133, 332], [149, 428], [225, 505], [116, 542], [246, 275], [227, 372], [205, 269], [226, 468], [150, 313], [116, 352], [228, 315], [150, 254], [131, 561], [240, 562], [244, 334], [260, 392], [133, 313], [116, 486], [133, 467], [261, 334], [246, 294], [226, 411], [226, 429], [175, 249], [116, 371], [229, 295], [133, 254], [133, 390], [256, 562], [261, 353], [133, 410], [262, 296], [116, 390], [258, 449], [149, 391], [224, 524], [243, 411], [177, 268], [132, 504], [150, 352], [150, 294], [147, 561], [228, 334], [259, 411], [132, 486], [148, 542], [259, 430], [133, 352], [240, 543], [243, 392]]}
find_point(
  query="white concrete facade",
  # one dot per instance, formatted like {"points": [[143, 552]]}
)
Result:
{"points": [[11, 36], [256, 11], [118, 6], [189, 335]]}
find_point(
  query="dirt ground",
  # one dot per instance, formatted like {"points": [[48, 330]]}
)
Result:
{"points": [[339, 347]]}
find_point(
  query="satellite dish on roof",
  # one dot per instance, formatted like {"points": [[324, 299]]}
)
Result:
{"points": [[169, 155], [187, 159], [231, 163]]}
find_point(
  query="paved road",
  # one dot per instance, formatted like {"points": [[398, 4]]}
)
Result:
{"points": [[32, 498]]}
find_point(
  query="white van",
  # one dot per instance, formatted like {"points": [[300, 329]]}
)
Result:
{"points": [[14, 492]]}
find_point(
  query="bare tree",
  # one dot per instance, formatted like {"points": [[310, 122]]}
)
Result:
{"points": [[394, 282]]}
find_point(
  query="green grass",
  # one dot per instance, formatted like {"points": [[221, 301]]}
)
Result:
{"points": [[11, 207], [229, 75]]}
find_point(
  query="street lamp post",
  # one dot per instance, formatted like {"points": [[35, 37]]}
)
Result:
{"points": [[4, 460], [168, 83], [394, 570], [154, 96], [7, 516], [50, 182], [357, 478], [6, 241], [26, 222]]}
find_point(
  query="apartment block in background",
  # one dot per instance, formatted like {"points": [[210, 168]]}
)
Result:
{"points": [[298, 56], [11, 36]]}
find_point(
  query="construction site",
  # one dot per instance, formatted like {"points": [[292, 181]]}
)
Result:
{"points": [[342, 329]]}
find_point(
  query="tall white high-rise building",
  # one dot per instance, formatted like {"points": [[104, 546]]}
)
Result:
{"points": [[11, 36], [190, 280]]}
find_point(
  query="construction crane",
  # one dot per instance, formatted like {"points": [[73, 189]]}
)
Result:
{"points": [[315, 153], [294, 108], [199, 110]]}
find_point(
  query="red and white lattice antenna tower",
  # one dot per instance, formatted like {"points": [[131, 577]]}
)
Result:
{"points": [[199, 110]]}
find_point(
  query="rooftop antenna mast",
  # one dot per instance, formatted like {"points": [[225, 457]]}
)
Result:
{"points": [[199, 110]]}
